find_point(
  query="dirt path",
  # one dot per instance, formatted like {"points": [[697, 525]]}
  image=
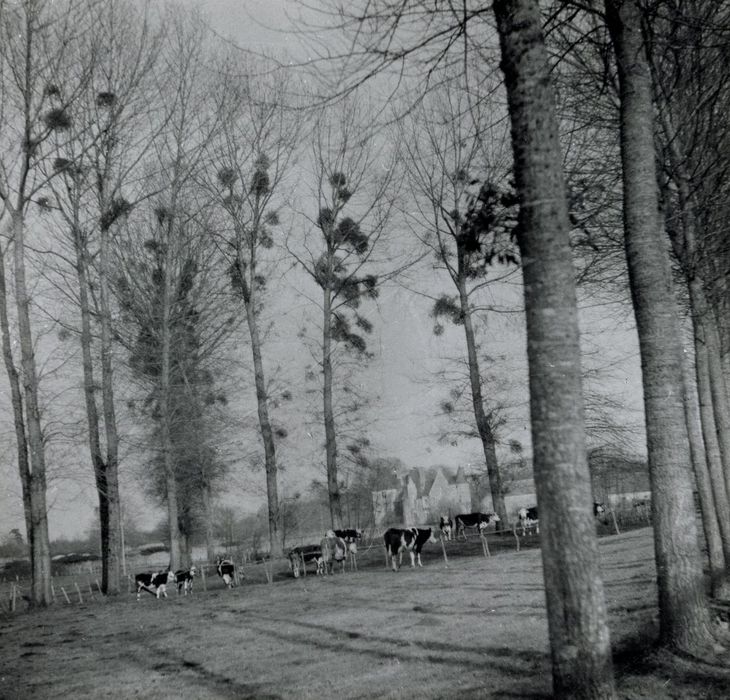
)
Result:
{"points": [[474, 629]]}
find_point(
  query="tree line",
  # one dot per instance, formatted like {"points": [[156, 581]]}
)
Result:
{"points": [[616, 126], [149, 175]]}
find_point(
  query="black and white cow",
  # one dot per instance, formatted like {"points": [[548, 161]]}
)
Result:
{"points": [[155, 584], [446, 525], [479, 521], [598, 509], [227, 571], [409, 540], [351, 536], [184, 578], [334, 549], [528, 518], [301, 555]]}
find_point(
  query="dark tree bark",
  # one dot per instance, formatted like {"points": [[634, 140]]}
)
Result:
{"points": [[38, 534], [333, 486], [486, 434], [579, 636], [683, 612]]}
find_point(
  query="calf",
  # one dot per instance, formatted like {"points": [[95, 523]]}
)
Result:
{"points": [[184, 578], [299, 556], [410, 539], [479, 521], [598, 509], [446, 525], [227, 571], [334, 549], [155, 584], [528, 518]]}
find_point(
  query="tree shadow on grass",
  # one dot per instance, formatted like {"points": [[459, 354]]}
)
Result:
{"points": [[643, 669]]}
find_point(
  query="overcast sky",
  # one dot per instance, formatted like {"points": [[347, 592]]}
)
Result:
{"points": [[404, 421]]}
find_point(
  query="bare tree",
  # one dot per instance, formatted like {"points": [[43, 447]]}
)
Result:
{"points": [[91, 190], [47, 53], [577, 616], [175, 219], [355, 192], [688, 95], [463, 220], [258, 143], [683, 612]]}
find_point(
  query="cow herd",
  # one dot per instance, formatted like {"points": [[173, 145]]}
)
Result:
{"points": [[157, 583], [337, 546]]}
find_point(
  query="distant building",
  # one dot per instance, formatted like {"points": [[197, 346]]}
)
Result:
{"points": [[420, 495]]}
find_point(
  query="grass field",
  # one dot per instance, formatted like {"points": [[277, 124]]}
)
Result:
{"points": [[475, 629]]}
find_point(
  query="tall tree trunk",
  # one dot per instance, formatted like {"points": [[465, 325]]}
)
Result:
{"points": [[114, 545], [40, 545], [483, 427], [174, 535], [705, 322], [209, 527], [333, 487], [109, 524], [262, 400], [16, 397], [714, 505], [579, 636], [683, 611]]}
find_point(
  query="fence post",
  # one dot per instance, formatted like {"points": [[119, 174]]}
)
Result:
{"points": [[12, 597], [517, 537], [485, 546], [202, 576], [615, 524], [78, 590]]}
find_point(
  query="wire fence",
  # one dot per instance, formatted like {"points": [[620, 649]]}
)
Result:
{"points": [[82, 584]]}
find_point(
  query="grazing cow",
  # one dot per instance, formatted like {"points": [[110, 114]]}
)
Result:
{"points": [[334, 549], [155, 584], [299, 556], [479, 521], [410, 539], [184, 578], [528, 518], [227, 571], [446, 525], [598, 509]]}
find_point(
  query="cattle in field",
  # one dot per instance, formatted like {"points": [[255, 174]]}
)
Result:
{"points": [[334, 549], [409, 540], [155, 584], [528, 518], [351, 536], [227, 571], [446, 525], [300, 556], [184, 579], [598, 509], [479, 521]]}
